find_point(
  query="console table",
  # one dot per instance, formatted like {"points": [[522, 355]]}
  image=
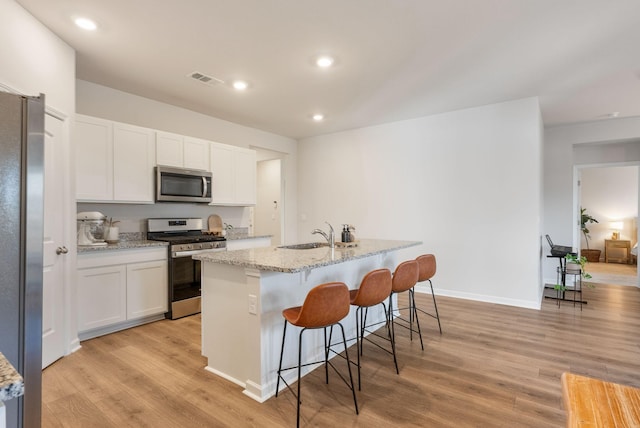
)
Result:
{"points": [[610, 244]]}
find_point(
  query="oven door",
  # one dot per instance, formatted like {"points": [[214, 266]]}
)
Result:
{"points": [[185, 283]]}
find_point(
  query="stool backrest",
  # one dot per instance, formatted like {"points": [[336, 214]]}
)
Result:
{"points": [[405, 276], [374, 288], [427, 263], [325, 304]]}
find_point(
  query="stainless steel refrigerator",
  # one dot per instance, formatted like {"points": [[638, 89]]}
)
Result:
{"points": [[21, 230]]}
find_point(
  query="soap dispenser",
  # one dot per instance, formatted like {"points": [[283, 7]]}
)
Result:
{"points": [[345, 233]]}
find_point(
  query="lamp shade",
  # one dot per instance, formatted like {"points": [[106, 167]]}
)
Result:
{"points": [[616, 225]]}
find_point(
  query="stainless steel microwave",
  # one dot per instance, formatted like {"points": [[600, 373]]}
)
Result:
{"points": [[182, 185]]}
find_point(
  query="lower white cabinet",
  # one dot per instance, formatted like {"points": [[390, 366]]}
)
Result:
{"points": [[102, 296], [120, 289]]}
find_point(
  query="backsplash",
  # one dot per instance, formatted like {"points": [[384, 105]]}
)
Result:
{"points": [[133, 217]]}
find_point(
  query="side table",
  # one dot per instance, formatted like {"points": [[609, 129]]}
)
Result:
{"points": [[610, 244]]}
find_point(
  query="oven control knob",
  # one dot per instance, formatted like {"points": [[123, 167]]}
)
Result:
{"points": [[189, 247]]}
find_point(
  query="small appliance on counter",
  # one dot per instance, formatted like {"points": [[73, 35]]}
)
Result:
{"points": [[91, 229]]}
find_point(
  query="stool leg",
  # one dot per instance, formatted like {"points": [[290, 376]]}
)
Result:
{"points": [[299, 373], [284, 334], [391, 339], [358, 341], [346, 353], [435, 305], [412, 304]]}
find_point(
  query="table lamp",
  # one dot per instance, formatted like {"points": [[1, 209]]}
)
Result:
{"points": [[617, 227]]}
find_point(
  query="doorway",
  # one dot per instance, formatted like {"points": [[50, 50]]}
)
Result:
{"points": [[268, 215], [609, 193]]}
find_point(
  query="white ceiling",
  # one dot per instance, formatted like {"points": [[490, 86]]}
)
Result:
{"points": [[395, 59]]}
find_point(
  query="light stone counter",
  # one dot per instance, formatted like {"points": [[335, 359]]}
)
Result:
{"points": [[276, 259], [127, 241], [11, 383], [245, 291]]}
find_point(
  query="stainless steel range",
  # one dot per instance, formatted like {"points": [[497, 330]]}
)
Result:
{"points": [[186, 238]]}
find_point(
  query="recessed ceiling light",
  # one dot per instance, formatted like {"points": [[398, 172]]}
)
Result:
{"points": [[240, 85], [324, 61], [613, 115], [318, 117], [85, 24]]}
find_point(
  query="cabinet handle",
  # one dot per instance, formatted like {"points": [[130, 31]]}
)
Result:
{"points": [[62, 250]]}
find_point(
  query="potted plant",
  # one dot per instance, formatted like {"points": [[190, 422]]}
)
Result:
{"points": [[585, 218], [575, 264]]}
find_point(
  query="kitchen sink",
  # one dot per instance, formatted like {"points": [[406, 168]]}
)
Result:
{"points": [[307, 246]]}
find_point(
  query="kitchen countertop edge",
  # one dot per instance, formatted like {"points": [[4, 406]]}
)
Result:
{"points": [[293, 261], [123, 245], [246, 236]]}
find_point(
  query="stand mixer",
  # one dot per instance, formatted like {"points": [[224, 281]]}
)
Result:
{"points": [[91, 229]]}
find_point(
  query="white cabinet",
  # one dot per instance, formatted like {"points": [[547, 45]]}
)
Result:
{"points": [[120, 289], [196, 153], [114, 161], [234, 175], [94, 158], [102, 296], [182, 152], [146, 289], [133, 162], [244, 244]]}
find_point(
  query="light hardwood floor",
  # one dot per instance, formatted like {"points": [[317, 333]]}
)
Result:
{"points": [[494, 366]]}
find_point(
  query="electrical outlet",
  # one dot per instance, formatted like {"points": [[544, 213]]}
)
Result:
{"points": [[253, 304]]}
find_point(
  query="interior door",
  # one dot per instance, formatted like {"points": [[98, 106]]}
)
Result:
{"points": [[54, 250]]}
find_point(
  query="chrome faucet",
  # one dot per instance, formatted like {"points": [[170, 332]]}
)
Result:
{"points": [[331, 237]]}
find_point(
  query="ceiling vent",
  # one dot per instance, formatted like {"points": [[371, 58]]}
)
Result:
{"points": [[203, 78]]}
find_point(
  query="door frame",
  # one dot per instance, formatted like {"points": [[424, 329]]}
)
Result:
{"points": [[577, 174]]}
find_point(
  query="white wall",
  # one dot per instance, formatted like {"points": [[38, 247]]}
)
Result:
{"points": [[267, 213], [596, 142], [466, 183], [108, 103], [34, 60]]}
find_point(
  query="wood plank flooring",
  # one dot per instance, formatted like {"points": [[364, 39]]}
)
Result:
{"points": [[494, 366]]}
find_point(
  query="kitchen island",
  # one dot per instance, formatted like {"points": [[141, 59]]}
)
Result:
{"points": [[245, 291]]}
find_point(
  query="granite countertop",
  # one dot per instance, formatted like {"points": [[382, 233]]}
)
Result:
{"points": [[127, 241], [11, 383], [277, 259], [237, 236]]}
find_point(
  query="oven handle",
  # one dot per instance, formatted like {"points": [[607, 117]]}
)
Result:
{"points": [[179, 254]]}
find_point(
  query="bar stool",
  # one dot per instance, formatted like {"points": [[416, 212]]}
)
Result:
{"points": [[427, 268], [404, 279], [374, 290], [325, 306]]}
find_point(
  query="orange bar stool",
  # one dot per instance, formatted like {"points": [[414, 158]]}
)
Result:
{"points": [[374, 290], [404, 279], [325, 306], [427, 264]]}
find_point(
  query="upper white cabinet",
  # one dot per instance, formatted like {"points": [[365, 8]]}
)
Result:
{"points": [[94, 158], [182, 152], [196, 153], [234, 175], [114, 161]]}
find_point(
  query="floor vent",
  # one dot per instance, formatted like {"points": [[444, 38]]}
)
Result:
{"points": [[203, 78]]}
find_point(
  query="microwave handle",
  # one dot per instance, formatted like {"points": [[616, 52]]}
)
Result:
{"points": [[204, 187]]}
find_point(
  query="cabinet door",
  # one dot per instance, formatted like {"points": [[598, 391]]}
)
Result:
{"points": [[93, 143], [245, 170], [147, 289], [169, 149], [133, 160], [102, 296], [196, 153], [222, 169]]}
